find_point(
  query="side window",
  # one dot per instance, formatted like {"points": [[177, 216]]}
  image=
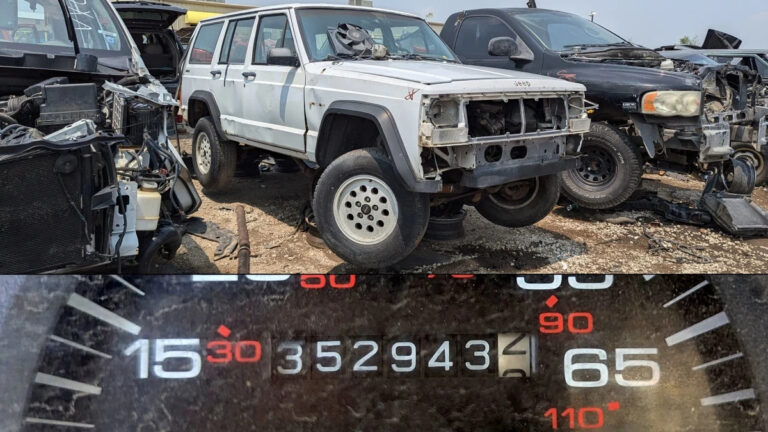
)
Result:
{"points": [[476, 32], [205, 44], [273, 32], [236, 41]]}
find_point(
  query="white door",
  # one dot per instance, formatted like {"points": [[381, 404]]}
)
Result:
{"points": [[273, 98], [232, 60], [201, 72]]}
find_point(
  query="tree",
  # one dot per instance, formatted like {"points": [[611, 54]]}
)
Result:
{"points": [[687, 40]]}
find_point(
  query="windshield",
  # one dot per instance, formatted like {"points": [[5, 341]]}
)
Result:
{"points": [[563, 32], [39, 26], [403, 36]]}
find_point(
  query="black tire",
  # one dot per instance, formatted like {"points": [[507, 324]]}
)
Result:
{"points": [[223, 157], [756, 159], [521, 203], [410, 219], [610, 171]]}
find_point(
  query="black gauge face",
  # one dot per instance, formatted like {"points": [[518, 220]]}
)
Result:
{"points": [[331, 353]]}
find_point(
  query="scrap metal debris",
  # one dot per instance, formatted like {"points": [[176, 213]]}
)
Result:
{"points": [[658, 244], [227, 243]]}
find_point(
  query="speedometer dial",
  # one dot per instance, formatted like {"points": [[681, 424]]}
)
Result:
{"points": [[329, 353]]}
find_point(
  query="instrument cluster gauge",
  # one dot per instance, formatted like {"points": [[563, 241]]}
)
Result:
{"points": [[314, 352]]}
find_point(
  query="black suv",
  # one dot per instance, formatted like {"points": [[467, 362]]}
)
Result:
{"points": [[650, 107]]}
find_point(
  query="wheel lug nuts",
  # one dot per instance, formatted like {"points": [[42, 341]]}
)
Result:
{"points": [[357, 203], [367, 199], [370, 217], [375, 207]]}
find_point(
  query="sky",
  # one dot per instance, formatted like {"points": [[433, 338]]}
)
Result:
{"points": [[650, 23]]}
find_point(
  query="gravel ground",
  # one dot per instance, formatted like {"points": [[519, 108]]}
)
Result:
{"points": [[577, 241]]}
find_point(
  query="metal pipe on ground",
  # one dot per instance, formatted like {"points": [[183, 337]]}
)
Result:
{"points": [[244, 243]]}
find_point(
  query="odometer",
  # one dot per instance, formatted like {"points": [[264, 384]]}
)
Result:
{"points": [[539, 353]]}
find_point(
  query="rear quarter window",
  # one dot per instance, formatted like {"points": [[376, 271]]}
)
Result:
{"points": [[205, 44]]}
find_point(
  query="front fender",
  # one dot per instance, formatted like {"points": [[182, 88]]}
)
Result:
{"points": [[393, 143]]}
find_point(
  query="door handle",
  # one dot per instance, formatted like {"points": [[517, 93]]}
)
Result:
{"points": [[249, 74], [215, 72]]}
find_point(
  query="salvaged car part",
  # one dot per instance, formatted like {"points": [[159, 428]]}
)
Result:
{"points": [[224, 238], [87, 125], [384, 116], [724, 202], [517, 353]]}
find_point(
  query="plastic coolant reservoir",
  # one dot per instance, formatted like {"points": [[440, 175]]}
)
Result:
{"points": [[147, 209], [667, 65]]}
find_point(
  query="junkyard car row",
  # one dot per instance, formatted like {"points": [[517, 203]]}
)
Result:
{"points": [[394, 124]]}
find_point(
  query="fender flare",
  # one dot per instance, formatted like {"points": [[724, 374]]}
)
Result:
{"points": [[207, 98], [393, 143]]}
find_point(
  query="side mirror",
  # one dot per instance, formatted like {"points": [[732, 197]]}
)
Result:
{"points": [[502, 47], [282, 57], [507, 47]]}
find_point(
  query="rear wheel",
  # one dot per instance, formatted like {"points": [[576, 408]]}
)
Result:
{"points": [[610, 171], [749, 154], [214, 158], [366, 216], [521, 203]]}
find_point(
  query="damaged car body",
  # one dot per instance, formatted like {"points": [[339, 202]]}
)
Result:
{"points": [[392, 129], [651, 108], [89, 177]]}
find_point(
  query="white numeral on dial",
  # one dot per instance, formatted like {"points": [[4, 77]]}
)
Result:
{"points": [[410, 357], [443, 351], [294, 356], [360, 365], [322, 354], [161, 355], [486, 359]]}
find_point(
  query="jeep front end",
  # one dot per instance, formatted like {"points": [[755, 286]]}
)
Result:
{"points": [[484, 140]]}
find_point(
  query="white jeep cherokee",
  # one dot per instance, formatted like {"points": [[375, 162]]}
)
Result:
{"points": [[393, 125]]}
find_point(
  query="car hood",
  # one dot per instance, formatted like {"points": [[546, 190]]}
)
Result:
{"points": [[430, 73]]}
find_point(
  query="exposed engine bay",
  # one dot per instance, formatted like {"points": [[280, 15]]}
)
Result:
{"points": [[94, 157]]}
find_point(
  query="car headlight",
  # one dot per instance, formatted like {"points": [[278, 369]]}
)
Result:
{"points": [[444, 112], [672, 103]]}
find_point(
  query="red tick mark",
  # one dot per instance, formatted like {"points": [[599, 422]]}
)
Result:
{"points": [[613, 406], [551, 301], [224, 331], [411, 93]]}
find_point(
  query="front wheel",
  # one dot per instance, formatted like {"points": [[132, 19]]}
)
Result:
{"points": [[610, 171], [521, 203], [366, 216]]}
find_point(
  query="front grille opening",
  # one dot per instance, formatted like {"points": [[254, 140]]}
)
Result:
{"points": [[518, 152], [497, 118], [493, 153]]}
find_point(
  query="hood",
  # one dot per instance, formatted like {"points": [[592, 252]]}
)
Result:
{"points": [[720, 40], [148, 15], [639, 79], [434, 73]]}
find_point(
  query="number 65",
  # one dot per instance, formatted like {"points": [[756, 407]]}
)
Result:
{"points": [[621, 365]]}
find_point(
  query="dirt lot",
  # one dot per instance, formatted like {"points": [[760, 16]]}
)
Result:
{"points": [[575, 241]]}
